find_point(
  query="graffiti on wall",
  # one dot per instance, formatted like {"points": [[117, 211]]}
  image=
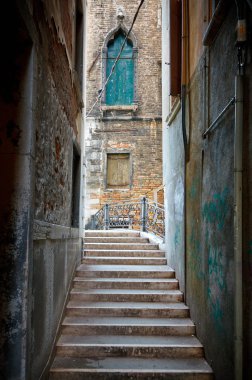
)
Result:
{"points": [[216, 214]]}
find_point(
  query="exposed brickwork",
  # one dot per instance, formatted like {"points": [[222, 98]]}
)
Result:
{"points": [[140, 136], [101, 20]]}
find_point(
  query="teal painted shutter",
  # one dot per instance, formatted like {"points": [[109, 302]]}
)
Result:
{"points": [[120, 88]]}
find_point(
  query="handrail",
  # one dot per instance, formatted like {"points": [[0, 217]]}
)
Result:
{"points": [[215, 122], [142, 215]]}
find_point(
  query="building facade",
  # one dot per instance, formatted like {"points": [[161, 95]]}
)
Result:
{"points": [[123, 128], [207, 170], [41, 102]]}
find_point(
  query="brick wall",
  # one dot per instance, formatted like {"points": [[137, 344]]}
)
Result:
{"points": [[137, 133]]}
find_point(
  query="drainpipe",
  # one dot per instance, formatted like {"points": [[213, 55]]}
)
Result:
{"points": [[238, 225], [184, 71], [238, 171], [183, 112]]}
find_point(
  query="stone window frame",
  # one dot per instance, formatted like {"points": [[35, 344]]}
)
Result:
{"points": [[105, 160], [108, 38]]}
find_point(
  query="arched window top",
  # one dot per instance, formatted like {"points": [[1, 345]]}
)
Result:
{"points": [[114, 46], [120, 29]]}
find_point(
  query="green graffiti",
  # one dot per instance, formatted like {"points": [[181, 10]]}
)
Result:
{"points": [[215, 268], [193, 191], [216, 310], [194, 258], [216, 211]]}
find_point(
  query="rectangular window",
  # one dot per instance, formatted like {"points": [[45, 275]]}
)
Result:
{"points": [[175, 47], [118, 170]]}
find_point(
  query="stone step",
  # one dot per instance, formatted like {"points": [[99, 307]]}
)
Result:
{"points": [[116, 239], [74, 368], [128, 309], [120, 246], [125, 345], [125, 271], [111, 233], [108, 368], [124, 253], [127, 326], [125, 283], [124, 260], [126, 295]]}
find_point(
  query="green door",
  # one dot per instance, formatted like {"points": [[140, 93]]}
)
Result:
{"points": [[120, 88]]}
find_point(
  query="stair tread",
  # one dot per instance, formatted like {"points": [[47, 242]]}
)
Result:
{"points": [[126, 291], [129, 340], [121, 245], [168, 365], [122, 258], [123, 305], [125, 250], [130, 280], [128, 268], [127, 321], [116, 238]]}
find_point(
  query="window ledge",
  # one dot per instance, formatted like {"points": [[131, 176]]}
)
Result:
{"points": [[132, 107]]}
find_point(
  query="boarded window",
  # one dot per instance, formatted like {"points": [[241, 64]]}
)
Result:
{"points": [[118, 170], [120, 88], [175, 47]]}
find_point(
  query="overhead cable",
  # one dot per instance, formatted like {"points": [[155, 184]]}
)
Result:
{"points": [[117, 59]]}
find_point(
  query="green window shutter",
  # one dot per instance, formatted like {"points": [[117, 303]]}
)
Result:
{"points": [[120, 88]]}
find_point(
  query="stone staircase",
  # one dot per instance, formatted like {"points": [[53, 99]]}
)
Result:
{"points": [[125, 318]]}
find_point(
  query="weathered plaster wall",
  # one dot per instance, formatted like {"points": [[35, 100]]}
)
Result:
{"points": [[247, 207], [209, 191], [40, 122], [173, 165], [209, 219], [174, 198]]}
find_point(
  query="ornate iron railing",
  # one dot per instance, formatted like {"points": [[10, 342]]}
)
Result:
{"points": [[144, 215]]}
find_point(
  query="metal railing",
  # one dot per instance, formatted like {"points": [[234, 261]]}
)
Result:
{"points": [[144, 215]]}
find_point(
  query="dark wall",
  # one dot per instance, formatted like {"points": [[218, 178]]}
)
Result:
{"points": [[16, 194], [39, 106]]}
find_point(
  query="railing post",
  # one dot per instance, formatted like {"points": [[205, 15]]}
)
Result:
{"points": [[143, 213], [106, 217], [93, 222]]}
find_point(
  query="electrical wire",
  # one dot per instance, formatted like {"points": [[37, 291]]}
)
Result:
{"points": [[117, 59]]}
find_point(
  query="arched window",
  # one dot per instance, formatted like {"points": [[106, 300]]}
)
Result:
{"points": [[120, 88]]}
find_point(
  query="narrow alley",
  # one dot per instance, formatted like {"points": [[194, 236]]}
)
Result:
{"points": [[126, 154]]}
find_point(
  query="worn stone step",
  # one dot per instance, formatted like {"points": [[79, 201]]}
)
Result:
{"points": [[108, 368], [112, 233], [127, 326], [125, 271], [125, 345], [128, 309], [124, 253], [127, 246], [126, 295], [124, 260], [116, 239], [125, 283]]}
